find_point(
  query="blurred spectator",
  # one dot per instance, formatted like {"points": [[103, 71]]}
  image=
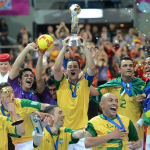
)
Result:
{"points": [[112, 31], [102, 66], [25, 40], [3, 25], [135, 52], [50, 30], [105, 29], [20, 34], [110, 51], [62, 28], [4, 41], [95, 34], [102, 39], [129, 37], [54, 52], [87, 36]]}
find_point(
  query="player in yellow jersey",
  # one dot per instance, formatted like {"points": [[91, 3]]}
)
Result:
{"points": [[111, 131], [56, 137], [73, 93], [6, 128], [125, 88], [141, 97], [23, 108]]}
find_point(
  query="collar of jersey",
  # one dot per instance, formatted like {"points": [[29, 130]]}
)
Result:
{"points": [[105, 119], [54, 134]]}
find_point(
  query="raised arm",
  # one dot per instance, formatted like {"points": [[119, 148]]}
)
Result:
{"points": [[89, 59], [39, 80], [20, 59], [58, 74], [19, 127]]}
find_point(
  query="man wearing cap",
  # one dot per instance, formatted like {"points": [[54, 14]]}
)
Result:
{"points": [[4, 67]]}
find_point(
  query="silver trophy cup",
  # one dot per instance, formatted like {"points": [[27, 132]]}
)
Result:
{"points": [[74, 11]]}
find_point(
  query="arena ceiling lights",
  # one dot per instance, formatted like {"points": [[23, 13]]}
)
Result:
{"points": [[91, 13]]}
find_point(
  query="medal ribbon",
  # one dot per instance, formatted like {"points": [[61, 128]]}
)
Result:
{"points": [[146, 89], [126, 89], [55, 145], [8, 115], [114, 123], [75, 89], [25, 96]]}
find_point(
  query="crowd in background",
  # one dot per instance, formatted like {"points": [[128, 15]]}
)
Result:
{"points": [[110, 44]]}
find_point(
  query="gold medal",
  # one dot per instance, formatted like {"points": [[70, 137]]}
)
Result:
{"points": [[130, 98], [73, 99], [144, 94]]}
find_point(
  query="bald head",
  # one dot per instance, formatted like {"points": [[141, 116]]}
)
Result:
{"points": [[109, 105], [106, 96]]}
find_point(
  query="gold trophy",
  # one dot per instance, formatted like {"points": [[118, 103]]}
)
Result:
{"points": [[74, 10], [6, 93]]}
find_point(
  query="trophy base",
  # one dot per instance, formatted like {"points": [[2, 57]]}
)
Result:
{"points": [[17, 122], [74, 41]]}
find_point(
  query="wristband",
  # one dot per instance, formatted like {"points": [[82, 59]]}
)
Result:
{"points": [[140, 122]]}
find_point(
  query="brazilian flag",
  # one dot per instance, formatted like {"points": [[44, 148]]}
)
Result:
{"points": [[146, 104], [136, 88]]}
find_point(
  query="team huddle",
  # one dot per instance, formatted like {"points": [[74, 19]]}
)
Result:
{"points": [[119, 127]]}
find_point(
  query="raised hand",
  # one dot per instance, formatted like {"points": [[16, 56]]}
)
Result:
{"points": [[65, 41], [11, 108], [32, 46]]}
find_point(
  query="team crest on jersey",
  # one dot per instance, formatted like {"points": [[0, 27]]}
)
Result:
{"points": [[61, 141], [18, 115], [34, 103]]}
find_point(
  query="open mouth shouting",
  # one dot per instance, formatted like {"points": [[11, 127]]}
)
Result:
{"points": [[113, 109], [72, 73], [29, 82]]}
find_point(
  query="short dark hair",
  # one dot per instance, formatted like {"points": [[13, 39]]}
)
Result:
{"points": [[73, 59], [4, 84], [49, 109], [50, 80], [23, 70], [125, 58]]}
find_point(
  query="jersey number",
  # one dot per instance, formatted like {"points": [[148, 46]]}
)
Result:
{"points": [[123, 103]]}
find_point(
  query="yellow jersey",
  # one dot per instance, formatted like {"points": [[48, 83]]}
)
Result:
{"points": [[23, 109], [99, 126], [74, 108], [6, 129], [65, 138], [126, 107]]}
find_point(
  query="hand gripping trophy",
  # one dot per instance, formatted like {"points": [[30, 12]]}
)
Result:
{"points": [[7, 93], [74, 10], [37, 118]]}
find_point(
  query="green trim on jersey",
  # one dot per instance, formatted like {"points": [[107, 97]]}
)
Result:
{"points": [[101, 116], [73, 141], [14, 135], [57, 83], [29, 103], [91, 129], [8, 119], [133, 136]]}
